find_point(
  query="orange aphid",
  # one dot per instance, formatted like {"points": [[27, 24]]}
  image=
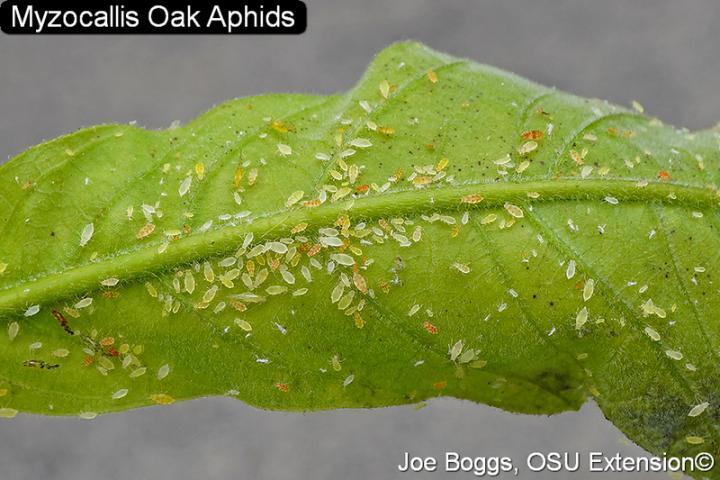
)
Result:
{"points": [[431, 329], [88, 360], [362, 188], [533, 135], [663, 175], [314, 250], [439, 385], [283, 387]]}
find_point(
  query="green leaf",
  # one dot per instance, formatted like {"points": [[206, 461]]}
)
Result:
{"points": [[443, 229]]}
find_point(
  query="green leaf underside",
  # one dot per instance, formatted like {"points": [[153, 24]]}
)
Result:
{"points": [[442, 300]]}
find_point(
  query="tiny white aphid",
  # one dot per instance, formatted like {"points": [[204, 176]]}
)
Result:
{"points": [[588, 289], [581, 318], [32, 310], [650, 332], [514, 210], [284, 150], [348, 380], [110, 282], [361, 143], [163, 371], [120, 394], [184, 187], [343, 259], [83, 303], [13, 330], [461, 267], [698, 409], [86, 234], [570, 271], [674, 354]]}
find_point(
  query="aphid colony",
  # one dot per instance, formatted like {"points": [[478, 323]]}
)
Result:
{"points": [[287, 266]]}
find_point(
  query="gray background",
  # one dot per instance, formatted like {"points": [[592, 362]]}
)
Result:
{"points": [[664, 53]]}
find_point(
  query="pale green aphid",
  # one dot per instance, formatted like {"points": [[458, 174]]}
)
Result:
{"points": [[248, 247]]}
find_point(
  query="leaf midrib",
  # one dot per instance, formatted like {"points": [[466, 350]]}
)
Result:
{"points": [[133, 264]]}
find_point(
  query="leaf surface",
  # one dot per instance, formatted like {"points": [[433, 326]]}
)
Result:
{"points": [[442, 229]]}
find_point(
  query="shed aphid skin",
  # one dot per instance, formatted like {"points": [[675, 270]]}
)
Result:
{"points": [[86, 234], [32, 310]]}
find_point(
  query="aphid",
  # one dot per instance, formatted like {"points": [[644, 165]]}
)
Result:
{"points": [[674, 354], [185, 186], [430, 328], [163, 371], [588, 289], [6, 412], [533, 135], [514, 210], [189, 281], [145, 231], [698, 409], [528, 147], [61, 353], [413, 310], [343, 259], [581, 318], [348, 380], [694, 440], [86, 234], [284, 150], [294, 198], [120, 394], [110, 282], [612, 200], [655, 336], [649, 308], [432, 76], [360, 283], [384, 88], [460, 267], [361, 143], [276, 290], [472, 198], [243, 324], [570, 270], [83, 303], [490, 218], [162, 398]]}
